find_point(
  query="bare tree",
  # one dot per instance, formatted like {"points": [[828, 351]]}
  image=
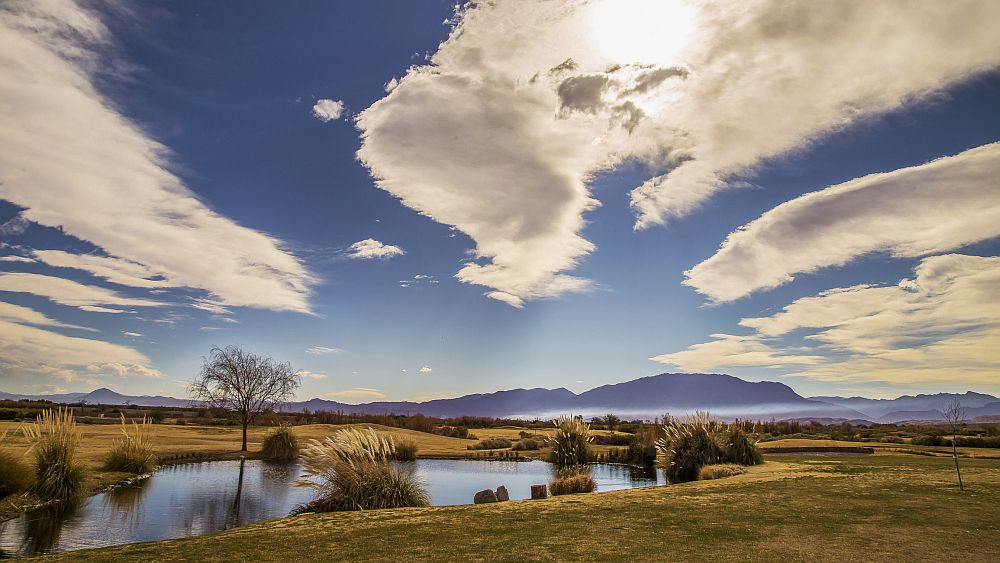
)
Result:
{"points": [[244, 383], [955, 416]]}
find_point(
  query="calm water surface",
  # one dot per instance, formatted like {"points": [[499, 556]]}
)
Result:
{"points": [[193, 499]]}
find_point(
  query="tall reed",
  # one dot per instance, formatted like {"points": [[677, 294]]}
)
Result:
{"points": [[133, 451], [689, 444], [570, 442], [573, 479], [55, 438]]}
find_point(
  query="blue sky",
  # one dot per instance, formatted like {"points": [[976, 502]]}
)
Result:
{"points": [[180, 144]]}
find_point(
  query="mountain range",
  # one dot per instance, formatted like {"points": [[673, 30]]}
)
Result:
{"points": [[644, 398]]}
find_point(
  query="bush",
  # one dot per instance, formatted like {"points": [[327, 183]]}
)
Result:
{"points": [[406, 449], [280, 445], [928, 441], [719, 471], [367, 486], [55, 438], [15, 476], [133, 452], [613, 439], [741, 449], [531, 444], [491, 444], [571, 442], [572, 480]]}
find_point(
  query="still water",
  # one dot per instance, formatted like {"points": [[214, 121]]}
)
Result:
{"points": [[200, 498]]}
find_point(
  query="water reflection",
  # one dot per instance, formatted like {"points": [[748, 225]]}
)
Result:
{"points": [[195, 499]]}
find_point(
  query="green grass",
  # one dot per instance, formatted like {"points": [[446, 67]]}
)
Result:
{"points": [[792, 508]]}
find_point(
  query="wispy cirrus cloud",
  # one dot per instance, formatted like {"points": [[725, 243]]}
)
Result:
{"points": [[72, 161], [68, 292], [355, 394], [500, 134], [323, 350], [927, 209]]}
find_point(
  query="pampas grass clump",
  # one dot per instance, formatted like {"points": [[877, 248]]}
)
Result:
{"points": [[688, 445], [353, 471], [406, 450], [280, 445], [133, 452], [719, 471], [741, 448], [572, 480], [571, 442], [55, 439]]}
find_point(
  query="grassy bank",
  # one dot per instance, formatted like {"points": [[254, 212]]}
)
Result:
{"points": [[882, 507]]}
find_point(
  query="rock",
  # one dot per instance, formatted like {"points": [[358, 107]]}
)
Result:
{"points": [[502, 494], [539, 491], [485, 496]]}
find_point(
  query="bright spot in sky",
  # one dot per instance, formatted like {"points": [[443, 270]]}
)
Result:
{"points": [[641, 31]]}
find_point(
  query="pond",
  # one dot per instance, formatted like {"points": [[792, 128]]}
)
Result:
{"points": [[200, 498]]}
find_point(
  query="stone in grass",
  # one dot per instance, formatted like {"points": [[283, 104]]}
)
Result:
{"points": [[502, 493], [539, 491], [485, 496]]}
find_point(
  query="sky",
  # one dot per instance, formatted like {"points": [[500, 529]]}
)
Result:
{"points": [[416, 200]]}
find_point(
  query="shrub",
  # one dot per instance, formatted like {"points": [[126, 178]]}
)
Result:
{"points": [[133, 452], [613, 439], [55, 438], [367, 485], [572, 480], [719, 471], [280, 445], [740, 448], [491, 444], [406, 450], [529, 444], [571, 442], [688, 445], [927, 441]]}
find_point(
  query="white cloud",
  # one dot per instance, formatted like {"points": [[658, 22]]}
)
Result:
{"points": [[323, 350], [73, 162], [328, 110], [13, 258], [132, 334], [499, 135], [70, 293], [210, 306], [941, 327], [29, 351], [115, 270], [370, 249], [425, 370], [911, 212], [357, 394], [312, 374], [419, 279]]}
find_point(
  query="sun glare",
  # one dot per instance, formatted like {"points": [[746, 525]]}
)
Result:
{"points": [[640, 31]]}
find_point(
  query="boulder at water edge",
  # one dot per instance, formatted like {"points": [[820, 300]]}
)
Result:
{"points": [[485, 496]]}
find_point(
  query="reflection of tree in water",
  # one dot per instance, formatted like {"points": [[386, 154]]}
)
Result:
{"points": [[43, 526], [237, 504], [124, 506]]}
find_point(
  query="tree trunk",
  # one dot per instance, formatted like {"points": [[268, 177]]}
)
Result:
{"points": [[954, 454], [246, 424]]}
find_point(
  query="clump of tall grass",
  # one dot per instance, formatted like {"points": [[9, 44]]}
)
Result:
{"points": [[405, 449], [720, 470], [741, 448], [133, 451], [688, 445], [572, 480], [55, 438], [570, 442], [15, 475], [352, 470], [280, 445]]}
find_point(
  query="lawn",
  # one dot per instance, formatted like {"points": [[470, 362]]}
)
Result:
{"points": [[881, 507]]}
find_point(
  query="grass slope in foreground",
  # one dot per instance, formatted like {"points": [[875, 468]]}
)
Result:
{"points": [[883, 507]]}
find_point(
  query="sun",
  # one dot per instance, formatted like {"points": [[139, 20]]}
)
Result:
{"points": [[640, 31]]}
